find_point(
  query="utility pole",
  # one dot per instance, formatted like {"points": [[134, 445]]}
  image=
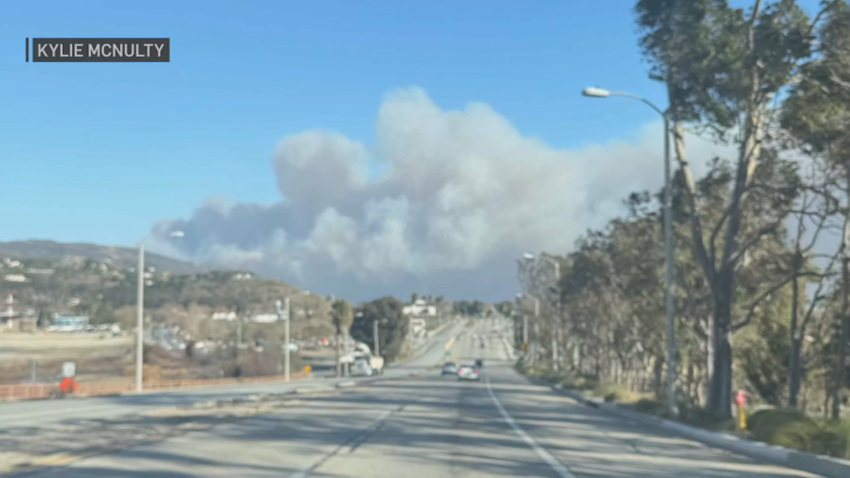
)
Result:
{"points": [[283, 314], [525, 330], [286, 328], [238, 332], [536, 318], [347, 351], [140, 312], [375, 334]]}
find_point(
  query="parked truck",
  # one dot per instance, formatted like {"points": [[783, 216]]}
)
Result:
{"points": [[364, 363]]}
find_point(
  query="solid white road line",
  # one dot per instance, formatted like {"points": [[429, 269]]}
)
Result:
{"points": [[560, 469]]}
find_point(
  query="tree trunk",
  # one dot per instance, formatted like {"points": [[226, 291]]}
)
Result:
{"points": [[841, 347], [690, 379], [720, 389], [658, 376], [795, 372], [794, 369]]}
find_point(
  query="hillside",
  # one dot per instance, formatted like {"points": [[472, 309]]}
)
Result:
{"points": [[100, 282], [118, 257]]}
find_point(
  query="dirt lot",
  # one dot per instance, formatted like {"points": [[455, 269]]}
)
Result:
{"points": [[97, 357], [18, 346]]}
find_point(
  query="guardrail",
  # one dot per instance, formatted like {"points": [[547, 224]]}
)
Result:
{"points": [[33, 391]]}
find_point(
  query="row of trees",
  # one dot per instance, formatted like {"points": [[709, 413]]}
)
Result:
{"points": [[360, 321], [761, 295]]}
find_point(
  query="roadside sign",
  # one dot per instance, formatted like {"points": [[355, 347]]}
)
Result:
{"points": [[69, 369]]}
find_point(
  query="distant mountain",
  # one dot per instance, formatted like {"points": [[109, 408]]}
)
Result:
{"points": [[119, 257]]}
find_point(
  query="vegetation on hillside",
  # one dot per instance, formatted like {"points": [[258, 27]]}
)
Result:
{"points": [[107, 294]]}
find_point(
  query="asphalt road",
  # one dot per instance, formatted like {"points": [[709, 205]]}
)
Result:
{"points": [[428, 426], [40, 413]]}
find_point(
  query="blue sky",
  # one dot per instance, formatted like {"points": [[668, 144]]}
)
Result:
{"points": [[98, 152], [102, 152]]}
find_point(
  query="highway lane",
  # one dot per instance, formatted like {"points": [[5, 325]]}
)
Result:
{"points": [[41, 413], [429, 426]]}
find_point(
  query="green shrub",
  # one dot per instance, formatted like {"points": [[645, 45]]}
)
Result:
{"points": [[704, 418], [612, 392], [834, 439], [793, 429], [775, 426], [652, 407]]}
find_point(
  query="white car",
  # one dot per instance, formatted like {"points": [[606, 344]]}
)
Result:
{"points": [[468, 372], [362, 368]]}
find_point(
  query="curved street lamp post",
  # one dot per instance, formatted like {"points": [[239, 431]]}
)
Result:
{"points": [[668, 243]]}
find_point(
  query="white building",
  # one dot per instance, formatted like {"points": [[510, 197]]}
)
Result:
{"points": [[264, 318], [15, 278], [228, 316], [418, 314], [420, 308]]}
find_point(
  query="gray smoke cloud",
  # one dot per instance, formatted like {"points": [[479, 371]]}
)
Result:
{"points": [[459, 196]]}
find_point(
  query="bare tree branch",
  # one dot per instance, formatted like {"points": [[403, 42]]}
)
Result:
{"points": [[816, 20], [743, 248], [751, 309], [817, 297]]}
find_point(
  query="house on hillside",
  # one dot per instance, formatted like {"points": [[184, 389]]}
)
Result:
{"points": [[264, 318], [68, 323], [228, 316], [421, 316]]}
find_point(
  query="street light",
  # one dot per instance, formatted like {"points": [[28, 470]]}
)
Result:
{"points": [[525, 316], [519, 296], [555, 330], [668, 242], [528, 256], [140, 313]]}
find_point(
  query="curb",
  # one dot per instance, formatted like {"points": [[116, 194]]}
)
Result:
{"points": [[799, 460]]}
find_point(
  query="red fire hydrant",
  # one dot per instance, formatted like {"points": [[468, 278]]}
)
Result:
{"points": [[741, 405]]}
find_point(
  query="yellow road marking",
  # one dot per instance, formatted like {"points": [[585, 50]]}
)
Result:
{"points": [[449, 343]]}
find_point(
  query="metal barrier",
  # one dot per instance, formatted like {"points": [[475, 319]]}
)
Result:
{"points": [[31, 391]]}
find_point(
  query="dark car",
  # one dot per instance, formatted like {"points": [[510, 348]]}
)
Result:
{"points": [[479, 363], [449, 368]]}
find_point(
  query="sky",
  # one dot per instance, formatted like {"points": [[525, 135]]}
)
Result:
{"points": [[360, 149]]}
